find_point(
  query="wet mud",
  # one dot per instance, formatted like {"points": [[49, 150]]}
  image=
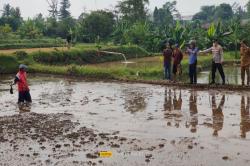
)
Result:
{"points": [[71, 121]]}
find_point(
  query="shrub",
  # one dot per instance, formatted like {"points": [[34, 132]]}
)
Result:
{"points": [[72, 70], [8, 64], [21, 55]]}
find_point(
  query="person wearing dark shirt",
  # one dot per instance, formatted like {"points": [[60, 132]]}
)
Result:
{"points": [[167, 53]]}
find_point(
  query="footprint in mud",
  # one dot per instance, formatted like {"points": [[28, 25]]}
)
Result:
{"points": [[97, 100], [92, 113], [225, 157], [148, 157], [85, 100], [110, 99], [92, 155], [150, 118]]}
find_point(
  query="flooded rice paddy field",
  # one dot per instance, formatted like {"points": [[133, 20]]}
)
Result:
{"points": [[71, 120], [232, 71]]}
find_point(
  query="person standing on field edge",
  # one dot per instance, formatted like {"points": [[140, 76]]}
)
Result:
{"points": [[178, 56], [22, 84], [192, 52], [167, 53], [217, 52], [245, 62]]}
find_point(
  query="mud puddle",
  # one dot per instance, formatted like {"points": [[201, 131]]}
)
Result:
{"points": [[70, 121]]}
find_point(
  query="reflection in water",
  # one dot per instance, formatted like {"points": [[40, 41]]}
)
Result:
{"points": [[168, 101], [172, 107], [193, 111], [177, 102], [218, 117], [245, 119], [135, 100]]}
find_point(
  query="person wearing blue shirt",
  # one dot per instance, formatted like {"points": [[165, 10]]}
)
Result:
{"points": [[192, 52]]}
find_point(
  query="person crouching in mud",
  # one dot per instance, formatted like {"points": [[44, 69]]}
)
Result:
{"points": [[22, 84]]}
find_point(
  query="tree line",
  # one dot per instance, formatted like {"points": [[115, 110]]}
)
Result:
{"points": [[131, 22]]}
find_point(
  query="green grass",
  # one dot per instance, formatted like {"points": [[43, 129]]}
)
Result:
{"points": [[30, 43]]}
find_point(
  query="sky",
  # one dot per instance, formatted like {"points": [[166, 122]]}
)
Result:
{"points": [[31, 8]]}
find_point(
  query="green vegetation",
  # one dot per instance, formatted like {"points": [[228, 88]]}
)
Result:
{"points": [[130, 23], [30, 43], [8, 64], [82, 56], [131, 29]]}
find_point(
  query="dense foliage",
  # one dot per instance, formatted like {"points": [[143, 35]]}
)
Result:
{"points": [[132, 23]]}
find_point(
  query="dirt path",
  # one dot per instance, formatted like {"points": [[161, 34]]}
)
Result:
{"points": [[191, 86], [30, 50]]}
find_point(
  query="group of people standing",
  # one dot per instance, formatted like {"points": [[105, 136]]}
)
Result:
{"points": [[192, 51]]}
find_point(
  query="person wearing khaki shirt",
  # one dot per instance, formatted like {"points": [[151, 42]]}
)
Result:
{"points": [[245, 62]]}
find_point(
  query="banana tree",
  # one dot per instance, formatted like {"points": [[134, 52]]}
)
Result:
{"points": [[177, 34], [216, 31], [235, 36]]}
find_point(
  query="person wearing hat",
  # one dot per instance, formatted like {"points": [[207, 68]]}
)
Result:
{"points": [[192, 52], [217, 52], [22, 84]]}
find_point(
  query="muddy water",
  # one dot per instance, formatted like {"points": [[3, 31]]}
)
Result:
{"points": [[232, 73], [134, 63], [71, 120]]}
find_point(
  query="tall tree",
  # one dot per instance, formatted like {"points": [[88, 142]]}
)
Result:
{"points": [[53, 8], [40, 23], [6, 10], [11, 16], [133, 10], [29, 30], [64, 9], [165, 16], [248, 8], [98, 24], [214, 13], [206, 14], [224, 12]]}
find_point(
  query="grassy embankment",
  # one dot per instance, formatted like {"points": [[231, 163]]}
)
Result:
{"points": [[30, 43], [74, 62]]}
